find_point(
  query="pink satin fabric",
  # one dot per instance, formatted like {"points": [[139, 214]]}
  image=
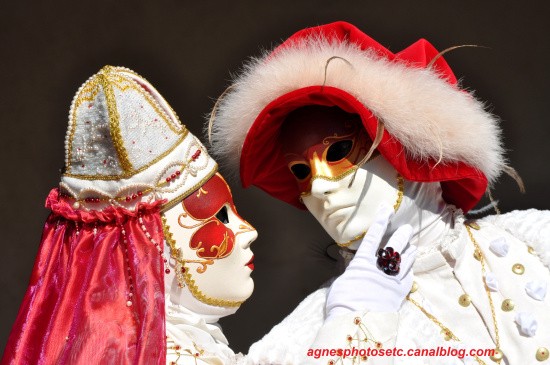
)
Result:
{"points": [[74, 310]]}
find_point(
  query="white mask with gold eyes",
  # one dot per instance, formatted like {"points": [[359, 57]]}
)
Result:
{"points": [[210, 245], [322, 146]]}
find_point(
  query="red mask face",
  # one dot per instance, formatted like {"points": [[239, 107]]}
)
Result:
{"points": [[209, 204]]}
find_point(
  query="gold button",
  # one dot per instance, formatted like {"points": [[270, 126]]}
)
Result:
{"points": [[477, 255], [447, 334], [507, 305], [542, 354], [518, 269], [414, 287], [531, 250], [464, 300], [497, 357]]}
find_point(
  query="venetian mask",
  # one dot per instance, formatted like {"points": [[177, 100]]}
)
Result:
{"points": [[210, 245], [323, 146]]}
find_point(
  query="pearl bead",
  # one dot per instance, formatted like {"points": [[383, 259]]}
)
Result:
{"points": [[129, 303], [76, 205]]}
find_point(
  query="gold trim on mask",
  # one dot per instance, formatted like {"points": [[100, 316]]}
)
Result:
{"points": [[186, 277], [333, 178]]}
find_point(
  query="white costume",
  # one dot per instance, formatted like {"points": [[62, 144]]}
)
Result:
{"points": [[326, 122], [445, 269]]}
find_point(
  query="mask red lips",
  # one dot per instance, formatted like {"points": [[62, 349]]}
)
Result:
{"points": [[250, 263]]}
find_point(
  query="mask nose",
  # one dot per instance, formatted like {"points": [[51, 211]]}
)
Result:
{"points": [[248, 237], [321, 187], [321, 183]]}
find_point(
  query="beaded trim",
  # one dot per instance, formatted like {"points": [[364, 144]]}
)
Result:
{"points": [[138, 190], [88, 91]]}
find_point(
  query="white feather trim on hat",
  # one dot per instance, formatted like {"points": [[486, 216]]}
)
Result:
{"points": [[432, 118]]}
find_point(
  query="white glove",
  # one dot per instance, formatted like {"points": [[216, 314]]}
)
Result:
{"points": [[363, 286]]}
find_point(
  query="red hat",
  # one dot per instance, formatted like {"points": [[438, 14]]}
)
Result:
{"points": [[434, 131]]}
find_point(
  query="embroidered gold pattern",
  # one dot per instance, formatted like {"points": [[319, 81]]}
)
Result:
{"points": [[114, 122], [143, 168], [106, 78], [182, 196], [182, 271], [362, 337], [497, 356]]}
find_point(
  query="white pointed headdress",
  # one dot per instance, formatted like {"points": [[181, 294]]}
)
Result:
{"points": [[125, 145]]}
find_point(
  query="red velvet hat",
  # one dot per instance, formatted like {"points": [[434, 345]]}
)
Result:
{"points": [[434, 131]]}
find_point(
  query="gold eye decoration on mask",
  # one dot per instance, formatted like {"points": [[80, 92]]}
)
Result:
{"points": [[333, 157]]}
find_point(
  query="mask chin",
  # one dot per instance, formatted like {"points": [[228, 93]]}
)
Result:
{"points": [[346, 211]]}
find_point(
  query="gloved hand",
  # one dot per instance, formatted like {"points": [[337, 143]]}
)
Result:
{"points": [[363, 286]]}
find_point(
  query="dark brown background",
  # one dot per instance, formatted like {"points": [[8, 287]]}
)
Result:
{"points": [[188, 50]]}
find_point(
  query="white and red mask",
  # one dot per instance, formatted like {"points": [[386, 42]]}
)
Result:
{"points": [[215, 259], [323, 146]]}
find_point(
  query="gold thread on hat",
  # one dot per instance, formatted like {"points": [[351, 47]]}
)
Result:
{"points": [[145, 188], [143, 168], [105, 79], [114, 123]]}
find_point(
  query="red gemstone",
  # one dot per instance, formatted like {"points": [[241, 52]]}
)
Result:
{"points": [[182, 269], [196, 154], [128, 198], [168, 179], [173, 176], [167, 271], [134, 196], [140, 193], [178, 173]]}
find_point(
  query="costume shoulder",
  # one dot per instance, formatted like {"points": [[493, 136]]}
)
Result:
{"points": [[531, 226], [287, 342]]}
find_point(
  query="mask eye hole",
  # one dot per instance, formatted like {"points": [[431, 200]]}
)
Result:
{"points": [[222, 215], [339, 150], [300, 170]]}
